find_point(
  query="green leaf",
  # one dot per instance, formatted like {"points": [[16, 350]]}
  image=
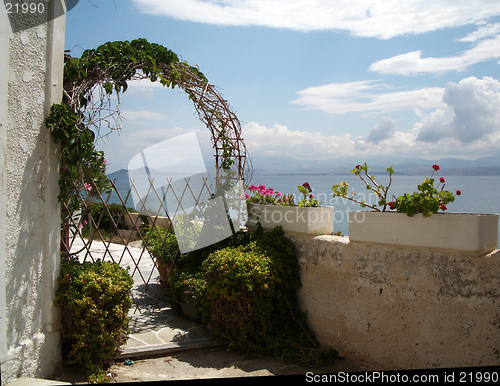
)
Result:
{"points": [[108, 87]]}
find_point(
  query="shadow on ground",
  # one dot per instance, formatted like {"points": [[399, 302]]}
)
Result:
{"points": [[216, 363]]}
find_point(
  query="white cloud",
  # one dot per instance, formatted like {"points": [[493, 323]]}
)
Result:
{"points": [[366, 97], [143, 88], [413, 63], [464, 121], [382, 19], [383, 130], [279, 141], [485, 31], [142, 115], [119, 149], [272, 144], [461, 119], [472, 112]]}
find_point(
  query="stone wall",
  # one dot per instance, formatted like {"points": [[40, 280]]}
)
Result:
{"points": [[31, 66], [391, 308]]}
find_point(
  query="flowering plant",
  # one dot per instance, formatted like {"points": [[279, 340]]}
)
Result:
{"points": [[427, 200], [308, 199], [380, 190], [264, 195]]}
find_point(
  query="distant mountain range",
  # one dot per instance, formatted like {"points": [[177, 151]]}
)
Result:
{"points": [[402, 165], [125, 173]]}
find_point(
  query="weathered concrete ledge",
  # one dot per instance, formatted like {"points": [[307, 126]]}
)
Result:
{"points": [[391, 308]]}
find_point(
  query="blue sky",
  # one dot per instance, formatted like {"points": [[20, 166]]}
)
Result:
{"points": [[314, 79]]}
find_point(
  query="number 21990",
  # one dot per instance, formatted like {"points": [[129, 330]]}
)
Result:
{"points": [[25, 7], [479, 376]]}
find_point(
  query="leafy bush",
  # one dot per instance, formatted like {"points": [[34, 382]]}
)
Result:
{"points": [[188, 279], [188, 284], [95, 300], [161, 243], [239, 290], [246, 290], [103, 219]]}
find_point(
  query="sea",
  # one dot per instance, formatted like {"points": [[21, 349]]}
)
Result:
{"points": [[479, 194]]}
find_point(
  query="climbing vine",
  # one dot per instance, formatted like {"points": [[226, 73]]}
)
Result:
{"points": [[91, 103]]}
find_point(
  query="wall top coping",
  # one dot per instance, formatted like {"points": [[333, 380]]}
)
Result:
{"points": [[345, 242]]}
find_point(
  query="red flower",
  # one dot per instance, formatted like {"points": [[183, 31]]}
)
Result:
{"points": [[311, 196], [443, 207], [459, 192], [435, 167], [306, 185], [441, 180], [391, 205]]}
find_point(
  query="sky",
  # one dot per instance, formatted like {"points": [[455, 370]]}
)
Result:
{"points": [[313, 80]]}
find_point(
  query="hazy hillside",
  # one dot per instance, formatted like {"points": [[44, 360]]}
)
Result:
{"points": [[402, 165]]}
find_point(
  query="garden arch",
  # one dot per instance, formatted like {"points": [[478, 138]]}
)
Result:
{"points": [[91, 102], [91, 80]]}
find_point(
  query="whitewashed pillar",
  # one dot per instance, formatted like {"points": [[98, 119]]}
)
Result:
{"points": [[31, 64]]}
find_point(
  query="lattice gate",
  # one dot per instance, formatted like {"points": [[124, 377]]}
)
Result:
{"points": [[118, 226]]}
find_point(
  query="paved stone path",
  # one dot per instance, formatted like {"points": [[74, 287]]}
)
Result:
{"points": [[156, 328]]}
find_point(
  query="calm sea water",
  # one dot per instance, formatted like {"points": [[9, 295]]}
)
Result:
{"points": [[480, 194]]}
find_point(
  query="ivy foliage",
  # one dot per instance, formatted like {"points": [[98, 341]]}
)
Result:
{"points": [[108, 67], [115, 63]]}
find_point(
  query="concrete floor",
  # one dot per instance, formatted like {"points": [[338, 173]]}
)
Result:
{"points": [[165, 345], [208, 363]]}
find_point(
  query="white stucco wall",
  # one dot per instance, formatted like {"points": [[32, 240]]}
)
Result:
{"points": [[393, 308], [30, 217], [4, 64]]}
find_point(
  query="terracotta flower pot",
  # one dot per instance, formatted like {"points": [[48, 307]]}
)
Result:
{"points": [[165, 273], [189, 308]]}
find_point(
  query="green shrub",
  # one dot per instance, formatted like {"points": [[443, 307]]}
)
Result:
{"points": [[188, 279], [187, 284], [161, 243], [246, 289], [94, 300], [103, 218], [99, 377], [239, 290]]}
